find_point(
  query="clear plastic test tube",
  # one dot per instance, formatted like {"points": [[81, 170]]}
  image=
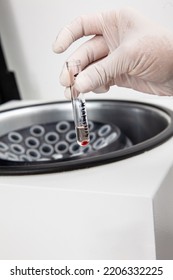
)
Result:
{"points": [[78, 104]]}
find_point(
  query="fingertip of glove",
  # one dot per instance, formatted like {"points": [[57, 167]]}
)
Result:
{"points": [[67, 93], [83, 83], [64, 81], [64, 78], [57, 48]]}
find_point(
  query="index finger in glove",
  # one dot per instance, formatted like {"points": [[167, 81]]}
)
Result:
{"points": [[82, 26]]}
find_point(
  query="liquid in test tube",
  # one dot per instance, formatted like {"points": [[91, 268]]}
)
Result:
{"points": [[78, 104]]}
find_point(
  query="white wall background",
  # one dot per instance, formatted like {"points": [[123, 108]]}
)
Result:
{"points": [[29, 27]]}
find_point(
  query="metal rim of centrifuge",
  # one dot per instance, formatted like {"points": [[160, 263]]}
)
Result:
{"points": [[25, 168]]}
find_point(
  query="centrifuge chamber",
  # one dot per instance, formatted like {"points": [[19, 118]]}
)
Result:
{"points": [[41, 138], [113, 201]]}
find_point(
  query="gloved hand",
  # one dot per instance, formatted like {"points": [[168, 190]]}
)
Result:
{"points": [[127, 50]]}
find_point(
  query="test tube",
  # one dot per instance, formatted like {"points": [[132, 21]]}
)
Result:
{"points": [[78, 105]]}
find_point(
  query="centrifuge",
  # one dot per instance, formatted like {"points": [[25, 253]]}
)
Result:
{"points": [[112, 199]]}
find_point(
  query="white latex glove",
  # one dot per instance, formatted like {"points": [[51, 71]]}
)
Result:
{"points": [[127, 50]]}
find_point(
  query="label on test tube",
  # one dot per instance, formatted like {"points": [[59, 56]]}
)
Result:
{"points": [[78, 104]]}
